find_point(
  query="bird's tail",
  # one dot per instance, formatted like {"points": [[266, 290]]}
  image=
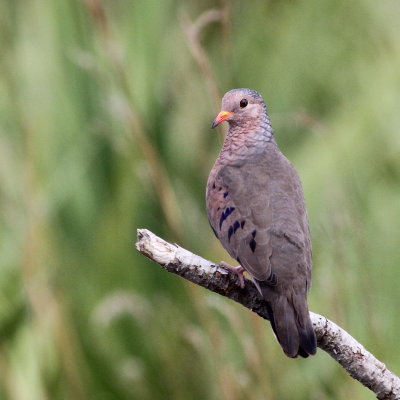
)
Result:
{"points": [[290, 321]]}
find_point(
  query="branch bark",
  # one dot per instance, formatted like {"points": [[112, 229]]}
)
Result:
{"points": [[340, 345]]}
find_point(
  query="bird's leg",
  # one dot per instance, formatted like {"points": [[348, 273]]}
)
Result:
{"points": [[236, 270]]}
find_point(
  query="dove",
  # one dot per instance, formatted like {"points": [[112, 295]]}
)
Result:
{"points": [[256, 208]]}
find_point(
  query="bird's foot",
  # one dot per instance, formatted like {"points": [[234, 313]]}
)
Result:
{"points": [[236, 270]]}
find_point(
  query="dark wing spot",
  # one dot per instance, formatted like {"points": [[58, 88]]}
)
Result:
{"points": [[230, 233], [242, 224], [225, 214], [222, 219], [225, 194], [238, 260], [236, 226], [213, 186], [254, 233], [253, 245]]}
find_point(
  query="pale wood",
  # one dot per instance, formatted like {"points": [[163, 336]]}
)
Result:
{"points": [[340, 345]]}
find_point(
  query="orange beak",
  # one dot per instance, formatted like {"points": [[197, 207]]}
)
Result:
{"points": [[222, 116]]}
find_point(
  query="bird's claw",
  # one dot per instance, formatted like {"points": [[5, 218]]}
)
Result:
{"points": [[239, 270]]}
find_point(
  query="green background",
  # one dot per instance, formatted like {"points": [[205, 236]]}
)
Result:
{"points": [[105, 112]]}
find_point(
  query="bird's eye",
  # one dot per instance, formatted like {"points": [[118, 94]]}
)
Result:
{"points": [[243, 103]]}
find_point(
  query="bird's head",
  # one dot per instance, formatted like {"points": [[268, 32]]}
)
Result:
{"points": [[241, 107]]}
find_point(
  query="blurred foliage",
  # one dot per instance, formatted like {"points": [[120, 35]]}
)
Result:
{"points": [[105, 109]]}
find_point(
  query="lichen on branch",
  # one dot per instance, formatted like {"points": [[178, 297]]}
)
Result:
{"points": [[340, 345]]}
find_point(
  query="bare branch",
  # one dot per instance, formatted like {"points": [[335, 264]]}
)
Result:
{"points": [[341, 346]]}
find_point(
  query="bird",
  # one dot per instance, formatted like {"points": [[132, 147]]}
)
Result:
{"points": [[256, 208]]}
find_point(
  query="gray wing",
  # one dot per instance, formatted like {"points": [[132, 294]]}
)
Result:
{"points": [[256, 208]]}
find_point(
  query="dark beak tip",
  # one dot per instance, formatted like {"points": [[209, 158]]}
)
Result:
{"points": [[213, 125]]}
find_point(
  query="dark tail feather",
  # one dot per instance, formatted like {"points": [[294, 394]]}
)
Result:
{"points": [[285, 326], [308, 341], [291, 323]]}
